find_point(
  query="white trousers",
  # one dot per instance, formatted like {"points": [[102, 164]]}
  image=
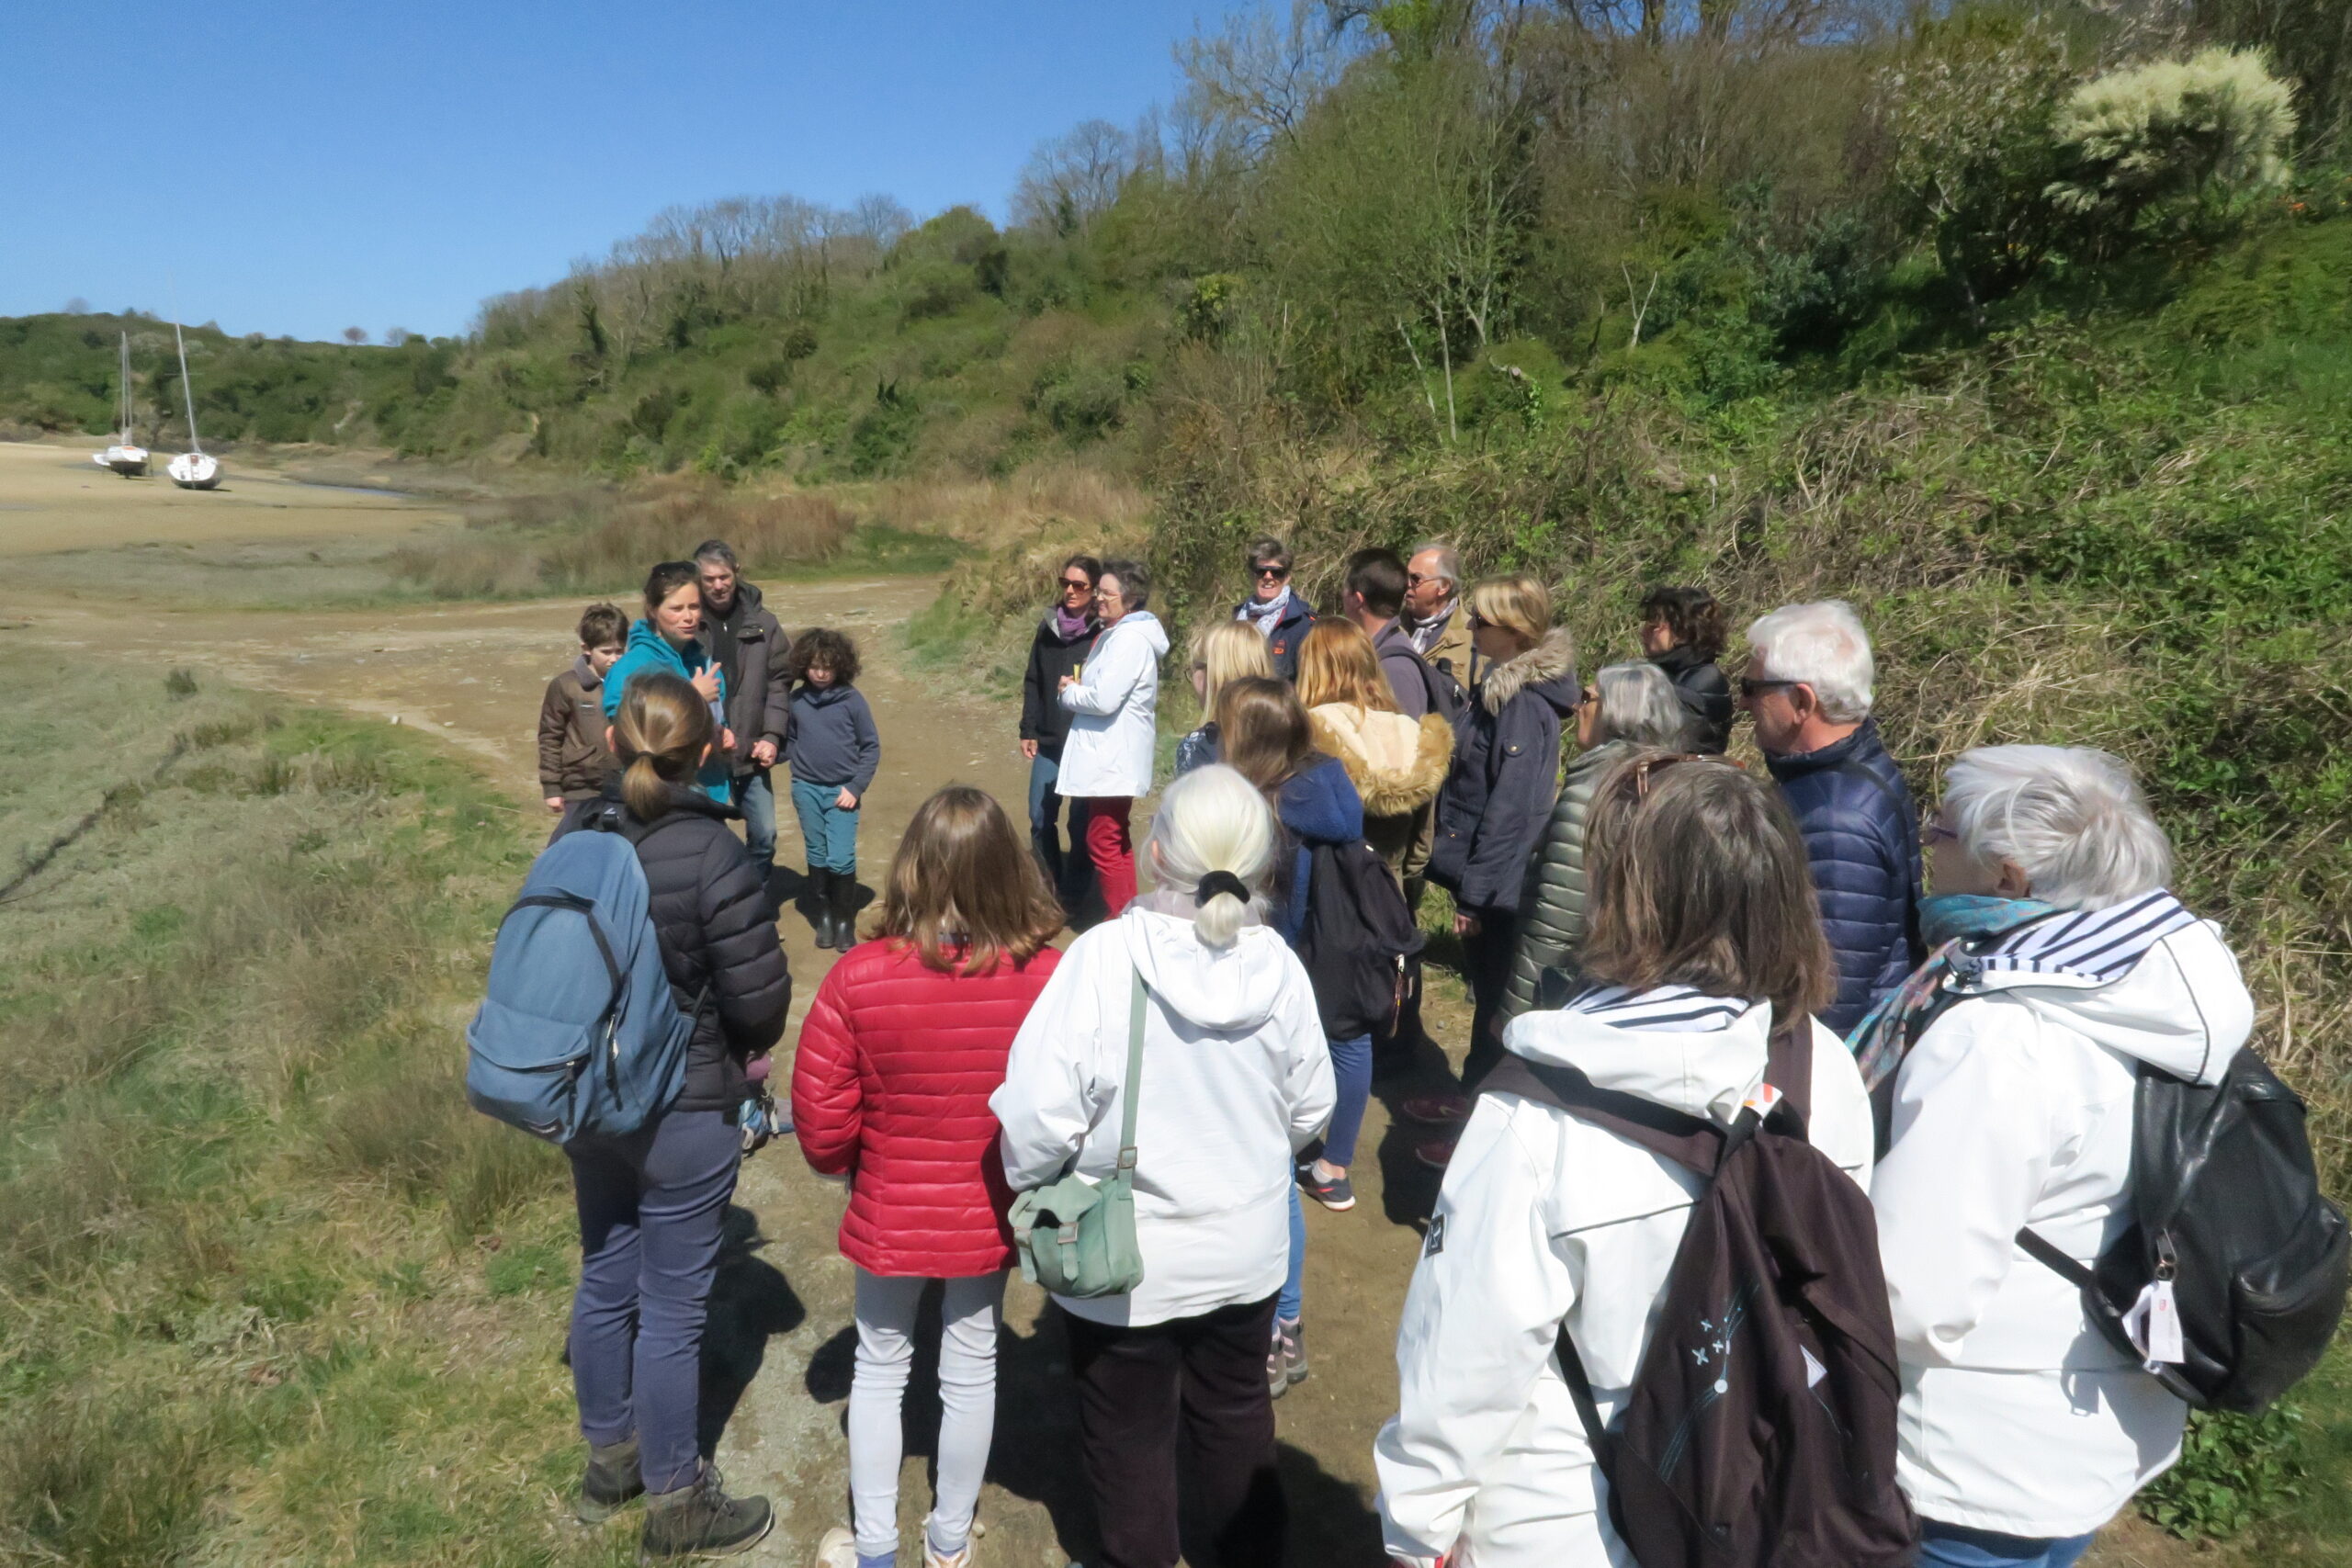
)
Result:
{"points": [[885, 1352]]}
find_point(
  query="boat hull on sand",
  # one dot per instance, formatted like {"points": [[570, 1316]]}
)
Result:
{"points": [[194, 470]]}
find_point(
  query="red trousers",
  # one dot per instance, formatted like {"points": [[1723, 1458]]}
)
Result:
{"points": [[1110, 844]]}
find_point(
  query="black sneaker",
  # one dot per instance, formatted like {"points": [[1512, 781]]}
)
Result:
{"points": [[1335, 1194], [610, 1483], [702, 1520]]}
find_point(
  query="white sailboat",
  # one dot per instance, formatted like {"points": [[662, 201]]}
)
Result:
{"points": [[126, 456], [195, 468]]}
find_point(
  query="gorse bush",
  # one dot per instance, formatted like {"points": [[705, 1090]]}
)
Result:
{"points": [[2174, 146]]}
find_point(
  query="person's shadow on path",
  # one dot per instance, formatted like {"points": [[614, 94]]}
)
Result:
{"points": [[751, 1302]]}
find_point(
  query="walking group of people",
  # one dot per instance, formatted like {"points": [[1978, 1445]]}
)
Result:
{"points": [[1655, 923]]}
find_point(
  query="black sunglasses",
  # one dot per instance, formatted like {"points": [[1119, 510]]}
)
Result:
{"points": [[1077, 583], [1273, 572], [1473, 621], [1750, 686]]}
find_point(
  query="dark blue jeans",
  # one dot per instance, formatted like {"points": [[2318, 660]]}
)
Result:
{"points": [[649, 1210], [1068, 871]]}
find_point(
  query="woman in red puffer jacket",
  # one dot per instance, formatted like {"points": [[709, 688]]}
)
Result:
{"points": [[905, 1042]]}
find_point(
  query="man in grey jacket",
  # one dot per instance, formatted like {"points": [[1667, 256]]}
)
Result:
{"points": [[750, 646]]}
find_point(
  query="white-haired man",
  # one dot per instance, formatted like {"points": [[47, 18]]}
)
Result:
{"points": [[1432, 594], [1809, 685]]}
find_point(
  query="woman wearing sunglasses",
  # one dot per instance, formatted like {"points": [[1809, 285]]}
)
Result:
{"points": [[1271, 610], [1065, 637]]}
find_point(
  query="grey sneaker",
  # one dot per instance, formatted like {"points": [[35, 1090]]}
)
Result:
{"points": [[1286, 1360], [610, 1483], [702, 1520]]}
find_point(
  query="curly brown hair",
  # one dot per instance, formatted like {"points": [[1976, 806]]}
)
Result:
{"points": [[823, 646]]}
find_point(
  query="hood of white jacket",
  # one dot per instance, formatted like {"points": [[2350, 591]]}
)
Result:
{"points": [[1221, 988], [1709, 1073], [2184, 1008], [1138, 624]]}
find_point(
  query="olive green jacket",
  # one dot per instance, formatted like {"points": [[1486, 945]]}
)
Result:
{"points": [[1552, 904]]}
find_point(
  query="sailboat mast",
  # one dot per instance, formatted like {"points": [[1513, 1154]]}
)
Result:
{"points": [[186, 390], [126, 391]]}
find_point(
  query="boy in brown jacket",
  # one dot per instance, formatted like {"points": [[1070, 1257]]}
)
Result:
{"points": [[574, 762]]}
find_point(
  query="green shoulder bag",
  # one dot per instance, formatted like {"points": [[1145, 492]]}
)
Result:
{"points": [[1076, 1238]]}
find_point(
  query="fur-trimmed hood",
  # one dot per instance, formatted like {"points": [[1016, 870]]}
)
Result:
{"points": [[1549, 670], [1396, 763]]}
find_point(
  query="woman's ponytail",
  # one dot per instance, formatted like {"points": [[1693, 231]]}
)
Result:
{"points": [[1214, 839], [659, 733]]}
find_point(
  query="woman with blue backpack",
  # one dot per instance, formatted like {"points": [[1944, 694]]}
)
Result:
{"points": [[651, 1201]]}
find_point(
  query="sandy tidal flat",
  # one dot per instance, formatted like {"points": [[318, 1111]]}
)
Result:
{"points": [[53, 497]]}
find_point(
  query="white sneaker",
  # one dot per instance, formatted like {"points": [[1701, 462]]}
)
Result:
{"points": [[837, 1549], [964, 1558]]}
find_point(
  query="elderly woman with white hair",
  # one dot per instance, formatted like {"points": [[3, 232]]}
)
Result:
{"points": [[1809, 686], [1627, 705], [1230, 1077], [2062, 967]]}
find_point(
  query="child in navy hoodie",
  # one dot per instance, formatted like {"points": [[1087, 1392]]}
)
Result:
{"points": [[833, 750]]}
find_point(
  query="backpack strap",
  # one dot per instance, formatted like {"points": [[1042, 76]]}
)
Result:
{"points": [[1788, 1066], [1691, 1142], [1126, 1171]]}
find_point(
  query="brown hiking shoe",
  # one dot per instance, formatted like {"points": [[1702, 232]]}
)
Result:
{"points": [[610, 1482], [702, 1520]]}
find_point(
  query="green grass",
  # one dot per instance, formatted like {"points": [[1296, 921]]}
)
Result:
{"points": [[275, 1292]]}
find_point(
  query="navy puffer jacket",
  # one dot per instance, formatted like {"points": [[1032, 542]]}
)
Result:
{"points": [[1506, 775], [1861, 833]]}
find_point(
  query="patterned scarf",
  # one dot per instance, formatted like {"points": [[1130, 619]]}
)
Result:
{"points": [[1264, 613], [1970, 936]]}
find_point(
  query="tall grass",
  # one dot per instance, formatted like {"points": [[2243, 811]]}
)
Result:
{"points": [[602, 541], [247, 1222]]}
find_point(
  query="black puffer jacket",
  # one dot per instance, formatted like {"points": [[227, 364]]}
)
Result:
{"points": [[718, 938], [1705, 694]]}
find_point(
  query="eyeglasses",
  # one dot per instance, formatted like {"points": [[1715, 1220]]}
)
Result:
{"points": [[1108, 595], [1749, 685], [1080, 583], [1936, 829], [1664, 759], [1476, 622], [1276, 572], [1415, 579]]}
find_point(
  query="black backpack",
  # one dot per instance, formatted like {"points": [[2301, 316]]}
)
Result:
{"points": [[1760, 1432], [2227, 1211], [1358, 942]]}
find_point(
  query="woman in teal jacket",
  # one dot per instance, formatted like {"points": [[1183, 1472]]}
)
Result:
{"points": [[666, 641]]}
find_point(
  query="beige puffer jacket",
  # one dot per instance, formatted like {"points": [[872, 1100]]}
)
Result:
{"points": [[1397, 764]]}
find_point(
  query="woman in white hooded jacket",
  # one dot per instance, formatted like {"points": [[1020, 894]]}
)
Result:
{"points": [[2022, 1430], [1113, 701], [1703, 930], [1235, 1078]]}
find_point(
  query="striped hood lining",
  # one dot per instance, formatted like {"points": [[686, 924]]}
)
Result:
{"points": [[2092, 946]]}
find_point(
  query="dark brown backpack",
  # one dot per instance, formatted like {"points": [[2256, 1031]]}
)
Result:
{"points": [[1760, 1432]]}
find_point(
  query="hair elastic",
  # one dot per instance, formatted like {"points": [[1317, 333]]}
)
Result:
{"points": [[1219, 882]]}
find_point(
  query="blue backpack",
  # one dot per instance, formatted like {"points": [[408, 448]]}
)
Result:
{"points": [[579, 1034]]}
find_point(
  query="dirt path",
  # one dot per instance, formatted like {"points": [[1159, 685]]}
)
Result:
{"points": [[473, 675]]}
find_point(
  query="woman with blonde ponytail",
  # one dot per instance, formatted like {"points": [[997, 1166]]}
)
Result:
{"points": [[1234, 1081], [651, 1203]]}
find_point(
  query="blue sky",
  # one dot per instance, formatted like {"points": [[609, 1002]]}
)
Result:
{"points": [[307, 166]]}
